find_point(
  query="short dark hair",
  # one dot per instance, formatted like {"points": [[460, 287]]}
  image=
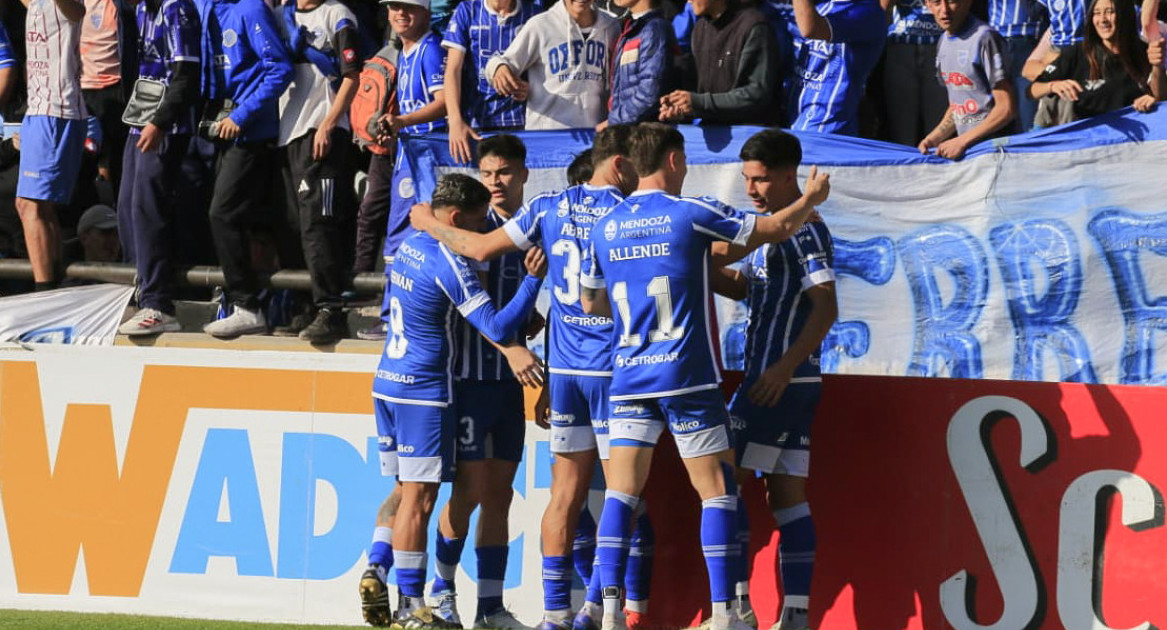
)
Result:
{"points": [[581, 169], [613, 140], [505, 146], [650, 144], [460, 191], [774, 148]]}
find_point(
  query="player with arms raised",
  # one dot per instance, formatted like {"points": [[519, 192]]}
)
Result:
{"points": [[414, 382], [789, 288], [647, 266]]}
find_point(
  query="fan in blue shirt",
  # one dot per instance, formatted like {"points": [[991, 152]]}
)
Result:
{"points": [[414, 381], [840, 43], [647, 267], [789, 288]]}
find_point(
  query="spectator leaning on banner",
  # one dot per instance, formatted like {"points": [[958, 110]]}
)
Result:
{"points": [[246, 69], [913, 99], [479, 30], [315, 139], [169, 42], [736, 62], [644, 64], [565, 53], [52, 136], [1020, 23], [840, 43], [1111, 69], [971, 64]]}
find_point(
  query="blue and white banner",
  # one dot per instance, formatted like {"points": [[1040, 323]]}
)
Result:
{"points": [[1036, 257], [86, 315]]}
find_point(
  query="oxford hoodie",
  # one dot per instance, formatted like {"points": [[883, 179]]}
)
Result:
{"points": [[567, 70]]}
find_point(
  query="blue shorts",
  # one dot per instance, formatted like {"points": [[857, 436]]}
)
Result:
{"points": [[698, 421], [491, 420], [775, 440], [579, 413], [50, 158], [416, 441]]}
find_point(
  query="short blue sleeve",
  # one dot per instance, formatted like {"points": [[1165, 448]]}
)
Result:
{"points": [[855, 21], [433, 67], [722, 222], [525, 227], [815, 254], [7, 57], [459, 281], [185, 34], [458, 32]]}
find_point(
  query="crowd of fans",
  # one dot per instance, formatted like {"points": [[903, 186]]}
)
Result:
{"points": [[221, 131]]}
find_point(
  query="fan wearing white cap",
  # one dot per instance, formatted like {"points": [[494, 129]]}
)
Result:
{"points": [[420, 71]]}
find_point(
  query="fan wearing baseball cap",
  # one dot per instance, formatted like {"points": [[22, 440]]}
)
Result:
{"points": [[420, 71], [97, 231]]}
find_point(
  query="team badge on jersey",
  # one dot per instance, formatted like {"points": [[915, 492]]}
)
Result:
{"points": [[610, 230], [230, 38], [405, 187], [564, 207]]}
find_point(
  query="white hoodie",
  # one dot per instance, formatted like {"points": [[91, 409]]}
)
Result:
{"points": [[568, 71]]}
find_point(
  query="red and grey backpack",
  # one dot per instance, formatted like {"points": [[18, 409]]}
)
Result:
{"points": [[376, 96]]}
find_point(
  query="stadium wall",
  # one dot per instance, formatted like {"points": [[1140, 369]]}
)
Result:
{"points": [[229, 484]]}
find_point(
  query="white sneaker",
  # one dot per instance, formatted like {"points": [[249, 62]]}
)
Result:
{"points": [[613, 622], [240, 322], [445, 605], [501, 619], [149, 321], [793, 619]]}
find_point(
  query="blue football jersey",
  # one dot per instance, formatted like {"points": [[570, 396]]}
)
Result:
{"points": [[651, 253], [170, 34], [829, 77], [1067, 21], [1017, 18], [478, 360], [777, 274], [430, 284], [7, 56], [420, 73], [480, 33], [560, 223]]}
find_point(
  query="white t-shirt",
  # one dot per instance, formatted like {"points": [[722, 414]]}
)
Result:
{"points": [[305, 104], [53, 47]]}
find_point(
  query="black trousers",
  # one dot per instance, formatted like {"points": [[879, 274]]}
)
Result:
{"points": [[107, 105], [374, 213], [242, 182], [320, 204]]}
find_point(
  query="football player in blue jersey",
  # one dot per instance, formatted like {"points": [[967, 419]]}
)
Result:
{"points": [[789, 288], [580, 352], [413, 386], [491, 415], [647, 267]]}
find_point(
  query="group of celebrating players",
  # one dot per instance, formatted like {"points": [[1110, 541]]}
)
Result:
{"points": [[630, 352]]}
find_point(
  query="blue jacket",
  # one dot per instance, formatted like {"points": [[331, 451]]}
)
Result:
{"points": [[644, 63], [244, 59]]}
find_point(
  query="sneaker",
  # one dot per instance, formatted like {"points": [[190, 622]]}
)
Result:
{"points": [[241, 321], [633, 619], [585, 619], [750, 618], [736, 623], [446, 606], [149, 321], [374, 598], [793, 619], [298, 322], [376, 332], [424, 618], [613, 622], [501, 619], [329, 326]]}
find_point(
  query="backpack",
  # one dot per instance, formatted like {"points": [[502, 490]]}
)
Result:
{"points": [[376, 96]]}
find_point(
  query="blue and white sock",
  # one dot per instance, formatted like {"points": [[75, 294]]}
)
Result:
{"points": [[557, 584], [583, 548], [594, 587], [638, 575], [410, 572], [447, 555], [796, 545], [612, 546], [381, 551], [492, 572], [719, 545]]}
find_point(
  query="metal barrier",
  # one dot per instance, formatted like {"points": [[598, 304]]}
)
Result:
{"points": [[123, 273]]}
